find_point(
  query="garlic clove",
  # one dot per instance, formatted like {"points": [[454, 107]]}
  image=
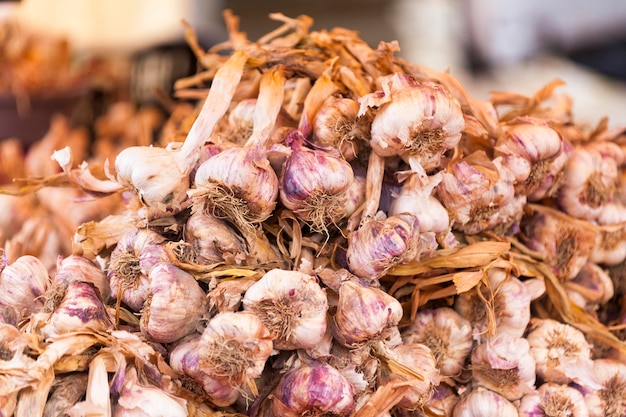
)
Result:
{"points": [[292, 306], [446, 333], [175, 304], [553, 399], [130, 263], [23, 284], [214, 240], [481, 401], [364, 314]]}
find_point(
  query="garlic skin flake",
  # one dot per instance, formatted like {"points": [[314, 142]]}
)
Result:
{"points": [[481, 401], [554, 400], [292, 306], [446, 333]]}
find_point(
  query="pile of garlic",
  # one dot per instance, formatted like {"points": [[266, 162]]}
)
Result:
{"points": [[332, 231]]}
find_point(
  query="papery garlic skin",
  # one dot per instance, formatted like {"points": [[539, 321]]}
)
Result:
{"points": [[238, 183], [561, 352], [553, 400], [504, 365], [130, 263], [292, 306], [154, 174], [312, 389], [23, 284], [446, 333], [185, 360], [175, 304], [483, 402], [234, 347], [610, 400], [313, 184], [382, 243], [214, 240], [364, 313], [511, 304], [418, 119], [80, 308]]}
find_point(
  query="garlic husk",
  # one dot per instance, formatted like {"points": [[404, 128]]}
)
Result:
{"points": [[507, 296], [422, 378], [535, 153], [214, 240], [313, 184], [561, 352], [292, 306], [79, 268], [185, 360], [175, 304], [130, 263], [382, 243], [481, 401], [553, 400], [416, 118], [158, 180], [566, 245], [504, 365], [314, 388], [446, 333], [237, 183], [610, 400], [23, 284], [140, 400], [364, 314], [234, 347], [80, 308]]}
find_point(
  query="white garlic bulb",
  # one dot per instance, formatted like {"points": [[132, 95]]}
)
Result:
{"points": [[610, 247], [590, 287], [479, 402], [554, 400], [504, 365], [214, 240], [610, 400], [292, 306], [446, 333], [175, 304], [23, 284]]}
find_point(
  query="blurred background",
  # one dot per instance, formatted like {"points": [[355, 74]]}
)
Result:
{"points": [[487, 44]]}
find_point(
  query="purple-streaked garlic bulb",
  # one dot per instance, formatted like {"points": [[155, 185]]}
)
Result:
{"points": [[365, 314], [130, 263], [535, 153], [185, 360], [381, 243], [446, 333], [313, 184], [314, 389], [79, 268], [174, 306], [481, 401], [417, 120], [292, 306], [213, 240], [80, 308], [23, 284]]}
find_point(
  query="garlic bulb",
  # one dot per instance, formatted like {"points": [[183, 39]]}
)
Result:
{"points": [[175, 304], [554, 400], [292, 306], [185, 360], [610, 400], [136, 252], [313, 184], [80, 308], [483, 402], [140, 400], [23, 284], [562, 354], [610, 247], [214, 240], [241, 121], [535, 153], [509, 299], [382, 243], [314, 389], [446, 333], [237, 183], [364, 314], [479, 194], [591, 286], [234, 347], [504, 365], [79, 268], [418, 119]]}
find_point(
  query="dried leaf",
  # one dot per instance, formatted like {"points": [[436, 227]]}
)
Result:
{"points": [[465, 281]]}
